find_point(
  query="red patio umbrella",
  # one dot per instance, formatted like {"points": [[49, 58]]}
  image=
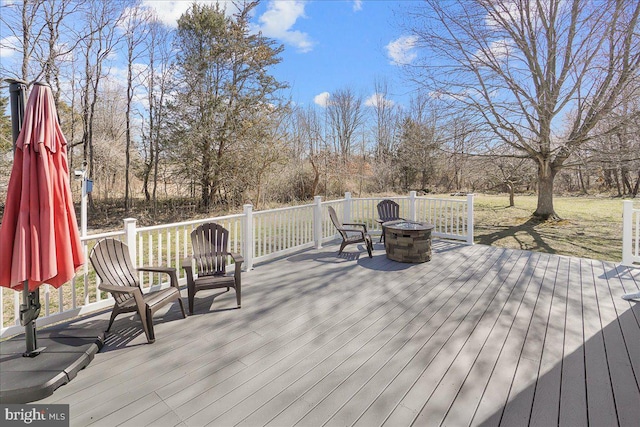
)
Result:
{"points": [[39, 238]]}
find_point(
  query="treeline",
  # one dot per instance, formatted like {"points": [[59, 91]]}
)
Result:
{"points": [[195, 112]]}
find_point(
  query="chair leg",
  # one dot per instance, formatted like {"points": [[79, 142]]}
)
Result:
{"points": [[184, 315], [238, 295], [114, 313], [191, 294], [144, 315], [342, 245], [151, 336], [369, 243]]}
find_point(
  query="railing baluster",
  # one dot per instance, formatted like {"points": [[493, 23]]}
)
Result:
{"points": [[16, 307], [47, 299]]}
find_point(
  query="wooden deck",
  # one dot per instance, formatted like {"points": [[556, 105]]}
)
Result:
{"points": [[478, 336]]}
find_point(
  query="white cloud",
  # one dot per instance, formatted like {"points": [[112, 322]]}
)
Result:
{"points": [[278, 20], [378, 99], [401, 51], [168, 12], [9, 46], [322, 99], [357, 5]]}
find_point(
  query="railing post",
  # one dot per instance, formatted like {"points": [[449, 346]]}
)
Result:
{"points": [[627, 229], [346, 213], [412, 205], [317, 221], [130, 234], [470, 219], [248, 244]]}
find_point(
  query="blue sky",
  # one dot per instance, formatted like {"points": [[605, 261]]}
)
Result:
{"points": [[329, 44]]}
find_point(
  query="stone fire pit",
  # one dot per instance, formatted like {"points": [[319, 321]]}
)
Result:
{"points": [[407, 241]]}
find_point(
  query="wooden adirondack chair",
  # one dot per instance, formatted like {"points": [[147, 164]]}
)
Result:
{"points": [[351, 235], [210, 242], [388, 210], [112, 263]]}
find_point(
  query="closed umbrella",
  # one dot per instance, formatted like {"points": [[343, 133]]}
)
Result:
{"points": [[39, 238]]}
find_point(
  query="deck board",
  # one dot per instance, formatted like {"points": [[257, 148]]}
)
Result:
{"points": [[547, 392], [478, 336], [573, 398], [600, 399]]}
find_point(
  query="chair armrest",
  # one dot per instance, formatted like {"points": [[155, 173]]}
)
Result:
{"points": [[173, 274], [117, 289], [355, 230], [154, 269], [237, 274], [358, 224], [187, 263], [237, 258]]}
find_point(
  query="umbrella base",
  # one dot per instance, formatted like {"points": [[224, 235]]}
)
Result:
{"points": [[69, 349], [33, 353]]}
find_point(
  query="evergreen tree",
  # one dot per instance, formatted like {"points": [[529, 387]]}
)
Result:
{"points": [[5, 127], [224, 88]]}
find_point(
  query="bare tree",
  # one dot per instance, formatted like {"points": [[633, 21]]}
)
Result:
{"points": [[386, 119], [386, 124], [346, 115], [308, 132], [539, 75], [101, 18], [618, 153], [24, 20], [136, 28], [157, 83], [508, 169], [57, 14]]}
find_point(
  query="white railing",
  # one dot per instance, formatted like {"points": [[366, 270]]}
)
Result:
{"points": [[259, 236], [630, 234], [453, 219]]}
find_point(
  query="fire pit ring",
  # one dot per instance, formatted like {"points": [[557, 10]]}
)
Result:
{"points": [[407, 241]]}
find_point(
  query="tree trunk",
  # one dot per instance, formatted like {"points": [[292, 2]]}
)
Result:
{"points": [[546, 175], [634, 192], [626, 183], [581, 179], [316, 178], [512, 195], [617, 181]]}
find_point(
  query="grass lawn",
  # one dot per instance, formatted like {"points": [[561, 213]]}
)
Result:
{"points": [[590, 227]]}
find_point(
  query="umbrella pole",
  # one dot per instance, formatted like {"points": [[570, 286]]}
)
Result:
{"points": [[29, 311], [30, 307]]}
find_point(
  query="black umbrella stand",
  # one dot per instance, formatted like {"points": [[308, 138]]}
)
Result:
{"points": [[30, 307]]}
